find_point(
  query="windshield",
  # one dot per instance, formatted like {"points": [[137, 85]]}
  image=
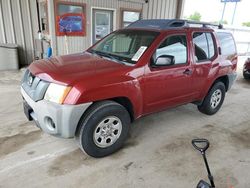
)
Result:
{"points": [[126, 46]]}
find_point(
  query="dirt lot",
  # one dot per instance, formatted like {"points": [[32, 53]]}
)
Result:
{"points": [[157, 154]]}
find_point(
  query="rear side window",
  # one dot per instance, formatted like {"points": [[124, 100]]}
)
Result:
{"points": [[204, 46], [226, 43]]}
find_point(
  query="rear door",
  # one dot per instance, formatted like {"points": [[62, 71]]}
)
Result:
{"points": [[204, 57], [169, 85]]}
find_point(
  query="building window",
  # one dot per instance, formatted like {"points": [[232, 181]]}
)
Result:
{"points": [[70, 19], [129, 16]]}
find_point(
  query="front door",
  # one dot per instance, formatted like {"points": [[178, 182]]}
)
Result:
{"points": [[168, 85], [102, 23]]}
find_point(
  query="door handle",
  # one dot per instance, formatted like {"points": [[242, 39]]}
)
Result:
{"points": [[188, 72]]}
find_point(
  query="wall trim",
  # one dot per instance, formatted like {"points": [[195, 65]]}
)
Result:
{"points": [[2, 23], [20, 18], [11, 22], [31, 30]]}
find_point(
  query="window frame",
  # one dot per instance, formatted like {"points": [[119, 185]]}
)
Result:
{"points": [[174, 65], [215, 47], [84, 19], [122, 10]]}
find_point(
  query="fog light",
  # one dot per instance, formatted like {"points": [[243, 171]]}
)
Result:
{"points": [[50, 123]]}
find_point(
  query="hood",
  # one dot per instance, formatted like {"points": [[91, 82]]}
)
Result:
{"points": [[68, 69]]}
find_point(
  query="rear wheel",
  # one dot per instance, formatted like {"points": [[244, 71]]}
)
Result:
{"points": [[104, 129], [214, 99], [246, 76]]}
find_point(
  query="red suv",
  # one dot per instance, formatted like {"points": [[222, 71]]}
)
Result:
{"points": [[147, 67], [246, 69]]}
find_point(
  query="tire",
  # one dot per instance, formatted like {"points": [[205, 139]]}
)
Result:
{"points": [[246, 77], [103, 129], [214, 99]]}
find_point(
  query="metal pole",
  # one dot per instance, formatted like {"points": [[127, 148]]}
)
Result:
{"points": [[210, 177], [248, 47], [223, 12], [38, 17], [234, 13]]}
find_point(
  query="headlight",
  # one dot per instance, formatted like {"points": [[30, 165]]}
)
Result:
{"points": [[56, 93]]}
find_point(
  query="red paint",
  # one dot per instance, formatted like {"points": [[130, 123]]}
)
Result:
{"points": [[149, 89]]}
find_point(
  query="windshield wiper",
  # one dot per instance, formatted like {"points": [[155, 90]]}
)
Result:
{"points": [[107, 55]]}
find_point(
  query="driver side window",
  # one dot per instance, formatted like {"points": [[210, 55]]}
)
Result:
{"points": [[173, 49]]}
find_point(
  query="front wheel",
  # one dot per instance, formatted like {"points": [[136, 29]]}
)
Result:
{"points": [[104, 128], [214, 99]]}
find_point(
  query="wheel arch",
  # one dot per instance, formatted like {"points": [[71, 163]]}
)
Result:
{"points": [[224, 79], [124, 101]]}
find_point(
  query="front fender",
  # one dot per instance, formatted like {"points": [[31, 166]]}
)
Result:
{"points": [[130, 89]]}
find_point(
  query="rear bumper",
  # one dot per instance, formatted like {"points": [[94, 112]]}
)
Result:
{"points": [[65, 117], [231, 79]]}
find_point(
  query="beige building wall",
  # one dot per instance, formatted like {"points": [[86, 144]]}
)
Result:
{"points": [[19, 22]]}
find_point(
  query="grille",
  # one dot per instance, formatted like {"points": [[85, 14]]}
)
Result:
{"points": [[34, 86]]}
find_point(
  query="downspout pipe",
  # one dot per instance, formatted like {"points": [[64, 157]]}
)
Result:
{"points": [[38, 17]]}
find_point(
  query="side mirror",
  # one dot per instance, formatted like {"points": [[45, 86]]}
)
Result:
{"points": [[164, 60], [203, 184]]}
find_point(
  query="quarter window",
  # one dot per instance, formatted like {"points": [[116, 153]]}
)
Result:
{"points": [[175, 46], [204, 46], [227, 43]]}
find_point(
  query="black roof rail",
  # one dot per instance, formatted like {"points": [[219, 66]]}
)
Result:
{"points": [[162, 24]]}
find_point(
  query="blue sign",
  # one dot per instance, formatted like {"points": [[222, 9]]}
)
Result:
{"points": [[71, 24], [227, 1]]}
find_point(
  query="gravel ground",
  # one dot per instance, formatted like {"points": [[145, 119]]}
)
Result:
{"points": [[157, 154]]}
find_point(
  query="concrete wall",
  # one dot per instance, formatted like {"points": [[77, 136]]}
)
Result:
{"points": [[78, 43], [18, 25], [159, 9], [153, 9]]}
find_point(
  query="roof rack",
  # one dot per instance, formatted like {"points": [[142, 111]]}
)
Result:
{"points": [[162, 24], [204, 24]]}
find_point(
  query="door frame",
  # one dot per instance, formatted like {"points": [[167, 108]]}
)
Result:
{"points": [[91, 18]]}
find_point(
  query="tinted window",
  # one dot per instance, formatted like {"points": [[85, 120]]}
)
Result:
{"points": [[175, 46], [204, 46], [226, 43]]}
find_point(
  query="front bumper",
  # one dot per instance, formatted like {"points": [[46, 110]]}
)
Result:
{"points": [[65, 117]]}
